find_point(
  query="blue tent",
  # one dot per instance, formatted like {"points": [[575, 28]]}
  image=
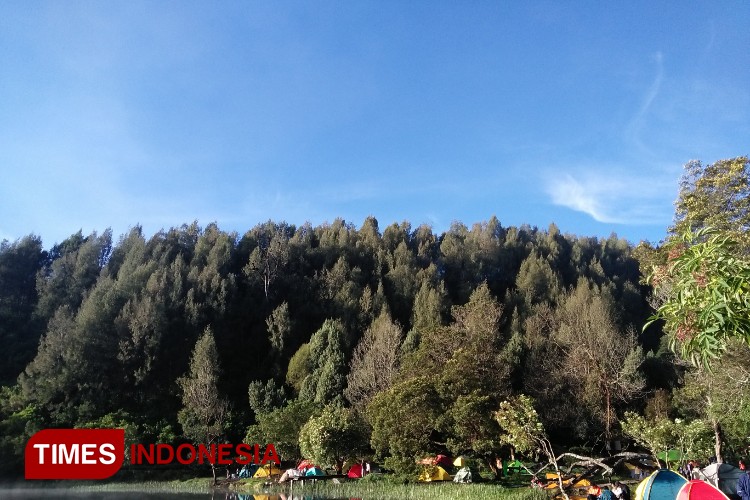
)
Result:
{"points": [[314, 471], [248, 470], [662, 484]]}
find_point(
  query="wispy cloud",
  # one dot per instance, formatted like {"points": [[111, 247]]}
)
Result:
{"points": [[569, 192], [615, 194], [612, 199], [634, 130]]}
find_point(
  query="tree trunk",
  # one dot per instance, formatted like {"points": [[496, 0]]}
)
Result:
{"points": [[547, 449], [607, 415], [717, 430], [717, 440]]}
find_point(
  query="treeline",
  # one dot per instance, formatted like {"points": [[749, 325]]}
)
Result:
{"points": [[336, 342], [98, 332]]}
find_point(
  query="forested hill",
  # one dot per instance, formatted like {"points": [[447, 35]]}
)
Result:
{"points": [[95, 329]]}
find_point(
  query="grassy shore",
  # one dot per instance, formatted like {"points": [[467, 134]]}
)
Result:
{"points": [[386, 488], [374, 487], [422, 491]]}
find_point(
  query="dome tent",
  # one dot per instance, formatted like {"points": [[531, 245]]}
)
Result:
{"points": [[662, 484], [355, 471], [314, 471], [700, 490], [467, 475], [434, 473], [268, 470], [723, 476]]}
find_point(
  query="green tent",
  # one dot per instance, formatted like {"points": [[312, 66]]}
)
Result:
{"points": [[513, 467], [671, 455]]}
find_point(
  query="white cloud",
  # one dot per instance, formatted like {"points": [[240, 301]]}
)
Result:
{"points": [[570, 193], [635, 195], [612, 199]]}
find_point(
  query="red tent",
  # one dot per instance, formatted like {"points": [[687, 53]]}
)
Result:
{"points": [[305, 464], [700, 489], [443, 461], [355, 471]]}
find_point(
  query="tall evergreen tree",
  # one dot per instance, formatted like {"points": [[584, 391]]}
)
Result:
{"points": [[328, 358], [204, 412], [20, 262], [375, 362]]}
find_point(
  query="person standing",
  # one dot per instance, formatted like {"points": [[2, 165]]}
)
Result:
{"points": [[593, 492], [743, 486], [621, 491], [606, 494]]}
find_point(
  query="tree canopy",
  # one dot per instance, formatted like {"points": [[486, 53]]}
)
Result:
{"points": [[412, 339]]}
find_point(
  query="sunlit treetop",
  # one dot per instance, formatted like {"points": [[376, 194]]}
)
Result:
{"points": [[704, 294]]}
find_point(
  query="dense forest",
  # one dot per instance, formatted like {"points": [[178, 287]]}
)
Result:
{"points": [[403, 341]]}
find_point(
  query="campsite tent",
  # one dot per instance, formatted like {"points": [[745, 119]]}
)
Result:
{"points": [[553, 483], [460, 462], [434, 473], [440, 460], [577, 491], [700, 490], [640, 468], [314, 471], [355, 471], [723, 476], [248, 470], [513, 467], [305, 464], [662, 484], [443, 461], [670, 456], [467, 475], [268, 470]]}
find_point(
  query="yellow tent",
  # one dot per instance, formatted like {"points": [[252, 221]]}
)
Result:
{"points": [[552, 477], [434, 473], [460, 462], [641, 488], [268, 470]]}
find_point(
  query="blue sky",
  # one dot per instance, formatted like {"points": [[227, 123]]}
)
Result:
{"points": [[160, 113]]}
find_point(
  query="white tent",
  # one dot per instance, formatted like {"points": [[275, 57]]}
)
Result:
{"points": [[723, 476]]}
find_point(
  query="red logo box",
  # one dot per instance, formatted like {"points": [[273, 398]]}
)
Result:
{"points": [[74, 453]]}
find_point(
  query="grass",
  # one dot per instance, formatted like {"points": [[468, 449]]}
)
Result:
{"points": [[384, 488], [194, 485], [373, 487], [375, 491]]}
